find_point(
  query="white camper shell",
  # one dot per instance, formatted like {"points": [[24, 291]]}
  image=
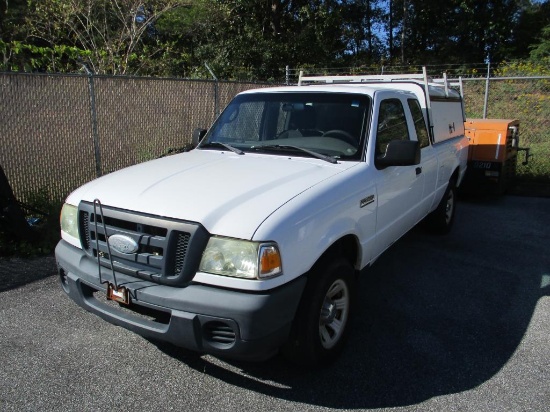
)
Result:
{"points": [[442, 106]]}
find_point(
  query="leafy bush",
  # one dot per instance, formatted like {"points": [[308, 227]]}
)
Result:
{"points": [[524, 68]]}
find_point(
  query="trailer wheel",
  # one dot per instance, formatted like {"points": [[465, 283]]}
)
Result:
{"points": [[440, 221], [321, 324]]}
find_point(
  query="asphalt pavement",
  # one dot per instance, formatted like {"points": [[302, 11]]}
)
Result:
{"points": [[453, 323]]}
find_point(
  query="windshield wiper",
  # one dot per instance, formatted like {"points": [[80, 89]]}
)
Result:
{"points": [[227, 146], [317, 155]]}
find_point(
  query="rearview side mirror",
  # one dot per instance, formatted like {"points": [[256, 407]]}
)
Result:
{"points": [[400, 153]]}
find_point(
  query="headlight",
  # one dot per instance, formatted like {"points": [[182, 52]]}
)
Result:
{"points": [[241, 258], [69, 220]]}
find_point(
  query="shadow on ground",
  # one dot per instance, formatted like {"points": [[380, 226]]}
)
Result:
{"points": [[439, 315], [16, 272]]}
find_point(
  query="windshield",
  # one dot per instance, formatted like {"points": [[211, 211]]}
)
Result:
{"points": [[304, 123]]}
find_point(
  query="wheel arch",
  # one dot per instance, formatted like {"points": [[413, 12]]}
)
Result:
{"points": [[347, 246]]}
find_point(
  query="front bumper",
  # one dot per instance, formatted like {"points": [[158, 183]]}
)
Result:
{"points": [[201, 318]]}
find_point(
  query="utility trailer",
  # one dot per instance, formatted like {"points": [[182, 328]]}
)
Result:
{"points": [[493, 153]]}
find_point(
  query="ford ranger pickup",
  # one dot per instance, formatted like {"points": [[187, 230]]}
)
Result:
{"points": [[252, 242]]}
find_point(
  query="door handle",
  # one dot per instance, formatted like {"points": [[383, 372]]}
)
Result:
{"points": [[418, 170]]}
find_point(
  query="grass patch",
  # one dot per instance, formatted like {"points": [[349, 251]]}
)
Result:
{"points": [[538, 167], [533, 179]]}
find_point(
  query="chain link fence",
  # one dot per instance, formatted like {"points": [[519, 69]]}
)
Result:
{"points": [[60, 131], [526, 99]]}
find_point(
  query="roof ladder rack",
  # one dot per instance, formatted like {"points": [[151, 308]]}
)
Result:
{"points": [[362, 78], [304, 80]]}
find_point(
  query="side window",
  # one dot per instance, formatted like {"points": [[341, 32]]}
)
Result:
{"points": [[392, 124], [419, 123]]}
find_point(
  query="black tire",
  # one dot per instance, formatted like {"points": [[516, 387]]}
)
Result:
{"points": [[321, 324], [441, 220]]}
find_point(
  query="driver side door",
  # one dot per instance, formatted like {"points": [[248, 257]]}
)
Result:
{"points": [[399, 188]]}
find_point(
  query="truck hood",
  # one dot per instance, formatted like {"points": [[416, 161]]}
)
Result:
{"points": [[228, 194]]}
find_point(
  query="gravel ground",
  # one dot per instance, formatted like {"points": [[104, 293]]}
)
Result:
{"points": [[455, 323]]}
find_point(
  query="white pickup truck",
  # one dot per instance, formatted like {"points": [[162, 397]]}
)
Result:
{"points": [[252, 242]]}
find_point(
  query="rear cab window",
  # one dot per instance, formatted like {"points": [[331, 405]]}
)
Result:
{"points": [[419, 123]]}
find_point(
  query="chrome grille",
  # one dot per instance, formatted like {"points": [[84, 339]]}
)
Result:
{"points": [[168, 250]]}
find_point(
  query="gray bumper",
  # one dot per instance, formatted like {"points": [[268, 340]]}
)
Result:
{"points": [[202, 318]]}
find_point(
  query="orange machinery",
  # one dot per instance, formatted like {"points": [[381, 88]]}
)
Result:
{"points": [[492, 157]]}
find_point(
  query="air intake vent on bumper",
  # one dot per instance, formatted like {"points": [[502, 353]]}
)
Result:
{"points": [[219, 332]]}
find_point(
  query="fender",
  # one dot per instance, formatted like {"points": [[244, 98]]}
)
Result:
{"points": [[308, 225]]}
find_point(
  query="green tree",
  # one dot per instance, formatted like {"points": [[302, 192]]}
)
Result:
{"points": [[455, 31], [363, 21], [12, 34], [257, 39], [181, 31], [541, 51], [250, 39], [534, 17], [110, 36]]}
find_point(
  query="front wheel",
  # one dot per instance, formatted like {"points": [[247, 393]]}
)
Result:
{"points": [[440, 221], [321, 324]]}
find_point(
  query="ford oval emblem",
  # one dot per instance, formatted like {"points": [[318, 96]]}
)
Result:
{"points": [[123, 244]]}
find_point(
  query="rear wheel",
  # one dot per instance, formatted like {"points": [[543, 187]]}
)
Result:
{"points": [[440, 221], [321, 324]]}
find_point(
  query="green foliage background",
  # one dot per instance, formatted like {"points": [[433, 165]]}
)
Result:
{"points": [[255, 40]]}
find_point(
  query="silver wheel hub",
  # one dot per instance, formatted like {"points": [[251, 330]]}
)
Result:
{"points": [[334, 314], [328, 312]]}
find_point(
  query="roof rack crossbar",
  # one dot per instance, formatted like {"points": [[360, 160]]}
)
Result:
{"points": [[359, 78]]}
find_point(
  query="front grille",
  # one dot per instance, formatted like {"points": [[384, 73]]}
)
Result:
{"points": [[85, 230], [181, 251], [168, 250]]}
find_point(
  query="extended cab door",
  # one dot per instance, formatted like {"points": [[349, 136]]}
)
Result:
{"points": [[399, 188], [429, 161]]}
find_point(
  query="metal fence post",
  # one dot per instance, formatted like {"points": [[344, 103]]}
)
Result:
{"points": [[216, 97], [486, 101], [287, 75], [93, 113]]}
